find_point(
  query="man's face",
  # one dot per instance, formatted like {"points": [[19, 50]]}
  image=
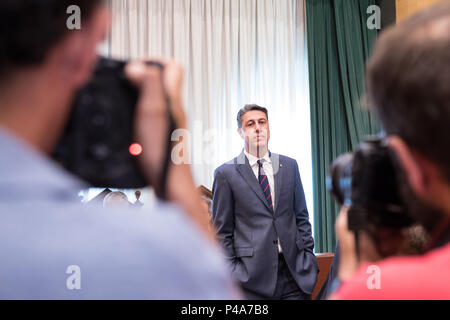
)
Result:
{"points": [[255, 131]]}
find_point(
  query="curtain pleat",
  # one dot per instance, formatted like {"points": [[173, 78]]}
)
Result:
{"points": [[339, 44]]}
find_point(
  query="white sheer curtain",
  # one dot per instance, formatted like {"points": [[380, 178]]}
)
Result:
{"points": [[234, 52]]}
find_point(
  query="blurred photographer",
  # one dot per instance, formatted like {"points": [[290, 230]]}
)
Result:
{"points": [[55, 247], [409, 88], [370, 187]]}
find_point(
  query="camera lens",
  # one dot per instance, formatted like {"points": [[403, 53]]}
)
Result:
{"points": [[100, 152]]}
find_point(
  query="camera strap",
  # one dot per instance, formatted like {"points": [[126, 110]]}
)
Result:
{"points": [[358, 253], [161, 187], [161, 191]]}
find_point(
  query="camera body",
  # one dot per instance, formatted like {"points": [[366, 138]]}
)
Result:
{"points": [[368, 182], [96, 143]]}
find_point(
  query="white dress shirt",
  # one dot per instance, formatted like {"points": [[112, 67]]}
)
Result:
{"points": [[268, 170]]}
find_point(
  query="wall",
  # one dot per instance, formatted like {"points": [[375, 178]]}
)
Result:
{"points": [[406, 8]]}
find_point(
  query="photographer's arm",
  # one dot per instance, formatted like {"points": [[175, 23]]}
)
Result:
{"points": [[152, 128], [348, 261]]}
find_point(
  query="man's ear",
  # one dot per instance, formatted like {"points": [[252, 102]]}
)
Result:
{"points": [[239, 130], [411, 164], [77, 53]]}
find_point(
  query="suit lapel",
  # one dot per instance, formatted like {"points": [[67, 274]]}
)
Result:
{"points": [[277, 166], [243, 167]]}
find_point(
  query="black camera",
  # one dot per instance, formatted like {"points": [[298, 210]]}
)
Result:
{"points": [[99, 144], [368, 181]]}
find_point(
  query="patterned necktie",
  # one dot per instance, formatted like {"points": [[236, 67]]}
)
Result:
{"points": [[264, 183]]}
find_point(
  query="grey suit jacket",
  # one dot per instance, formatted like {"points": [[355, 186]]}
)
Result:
{"points": [[249, 228]]}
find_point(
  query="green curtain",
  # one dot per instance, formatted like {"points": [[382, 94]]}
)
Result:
{"points": [[339, 44]]}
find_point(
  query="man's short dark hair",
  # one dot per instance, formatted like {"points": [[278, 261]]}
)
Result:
{"points": [[408, 83], [248, 108], [30, 28]]}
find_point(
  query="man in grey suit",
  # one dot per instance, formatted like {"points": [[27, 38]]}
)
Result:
{"points": [[260, 213]]}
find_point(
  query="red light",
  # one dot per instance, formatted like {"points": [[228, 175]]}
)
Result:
{"points": [[135, 149]]}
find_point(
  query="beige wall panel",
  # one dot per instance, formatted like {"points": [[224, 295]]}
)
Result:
{"points": [[406, 8]]}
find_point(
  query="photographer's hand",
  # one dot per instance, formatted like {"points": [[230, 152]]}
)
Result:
{"points": [[348, 262], [152, 127]]}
